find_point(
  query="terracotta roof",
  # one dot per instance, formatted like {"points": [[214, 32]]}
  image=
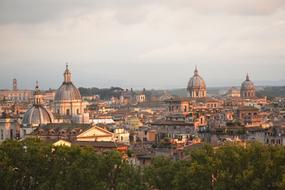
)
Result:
{"points": [[247, 108], [99, 144]]}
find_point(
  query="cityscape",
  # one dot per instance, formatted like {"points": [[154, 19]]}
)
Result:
{"points": [[199, 134]]}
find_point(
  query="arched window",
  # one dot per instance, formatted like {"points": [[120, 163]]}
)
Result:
{"points": [[11, 133], [67, 112], [2, 134], [78, 112]]}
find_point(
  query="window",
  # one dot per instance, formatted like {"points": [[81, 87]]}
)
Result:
{"points": [[67, 112], [11, 133], [185, 108], [78, 112], [2, 134], [52, 132]]}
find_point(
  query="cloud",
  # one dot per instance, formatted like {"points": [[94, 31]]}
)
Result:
{"points": [[17, 11], [128, 11], [240, 7], [127, 40]]}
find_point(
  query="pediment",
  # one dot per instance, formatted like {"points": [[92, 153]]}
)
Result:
{"points": [[95, 132]]}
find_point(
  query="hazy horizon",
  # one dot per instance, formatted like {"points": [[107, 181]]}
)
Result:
{"points": [[141, 44]]}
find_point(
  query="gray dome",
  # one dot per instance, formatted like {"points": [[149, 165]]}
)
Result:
{"points": [[67, 91], [247, 85], [36, 116], [196, 82]]}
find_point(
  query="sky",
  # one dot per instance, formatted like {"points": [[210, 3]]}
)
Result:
{"points": [[141, 43]]}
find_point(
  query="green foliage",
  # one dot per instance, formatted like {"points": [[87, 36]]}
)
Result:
{"points": [[271, 91], [104, 93], [164, 143], [32, 164], [160, 173]]}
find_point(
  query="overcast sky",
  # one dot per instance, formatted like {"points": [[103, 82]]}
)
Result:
{"points": [[149, 43]]}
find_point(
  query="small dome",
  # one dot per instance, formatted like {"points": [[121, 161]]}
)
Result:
{"points": [[196, 82], [67, 91], [36, 116], [247, 85]]}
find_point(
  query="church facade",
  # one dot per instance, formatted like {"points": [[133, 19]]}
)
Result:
{"points": [[68, 104]]}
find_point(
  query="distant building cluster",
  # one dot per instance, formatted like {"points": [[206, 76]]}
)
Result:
{"points": [[139, 123]]}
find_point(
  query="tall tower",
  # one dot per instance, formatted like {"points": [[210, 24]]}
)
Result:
{"points": [[15, 84]]}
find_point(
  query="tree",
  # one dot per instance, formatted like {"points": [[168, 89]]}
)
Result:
{"points": [[160, 173]]}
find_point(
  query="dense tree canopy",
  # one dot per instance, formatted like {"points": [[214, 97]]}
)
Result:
{"points": [[104, 93], [32, 164]]}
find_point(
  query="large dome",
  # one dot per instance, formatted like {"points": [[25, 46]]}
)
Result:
{"points": [[196, 86], [247, 84], [67, 91], [36, 116], [247, 89], [196, 82]]}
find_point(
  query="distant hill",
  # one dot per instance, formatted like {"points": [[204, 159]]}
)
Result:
{"points": [[211, 91], [271, 91], [261, 91], [104, 93], [107, 93]]}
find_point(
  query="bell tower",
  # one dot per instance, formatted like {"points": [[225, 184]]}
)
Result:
{"points": [[15, 87]]}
